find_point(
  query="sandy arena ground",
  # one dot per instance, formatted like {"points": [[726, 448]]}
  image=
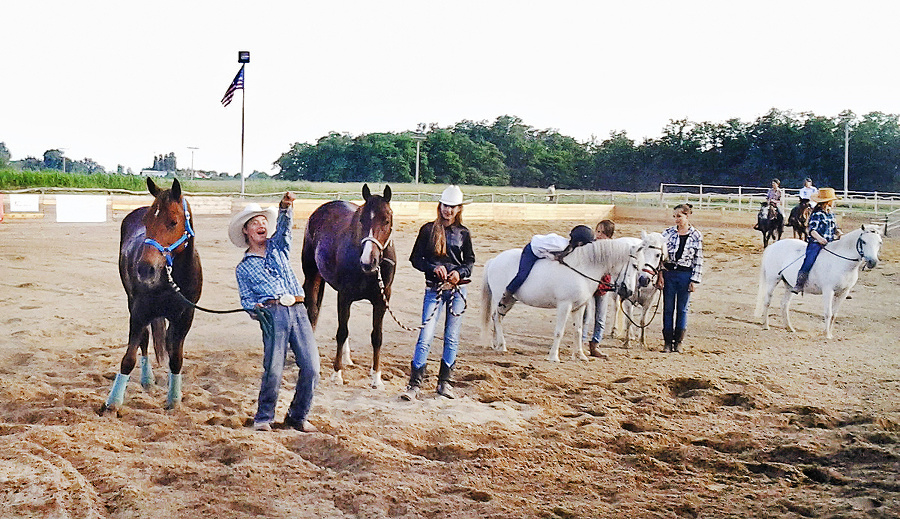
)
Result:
{"points": [[744, 423]]}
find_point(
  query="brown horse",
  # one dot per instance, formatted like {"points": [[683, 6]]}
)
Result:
{"points": [[798, 219], [157, 259], [350, 248]]}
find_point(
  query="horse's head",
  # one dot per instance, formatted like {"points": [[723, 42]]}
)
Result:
{"points": [[376, 221], [654, 255], [868, 245], [168, 232], [627, 280]]}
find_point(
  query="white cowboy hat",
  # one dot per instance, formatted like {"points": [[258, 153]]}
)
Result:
{"points": [[823, 195], [236, 227], [452, 196]]}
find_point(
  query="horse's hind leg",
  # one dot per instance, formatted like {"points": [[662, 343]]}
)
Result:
{"points": [[578, 323], [158, 330], [786, 309], [342, 333], [499, 341], [562, 314], [377, 337]]}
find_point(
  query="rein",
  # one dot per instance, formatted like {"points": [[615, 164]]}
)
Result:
{"points": [[859, 250], [188, 234], [452, 288], [192, 304], [615, 285]]}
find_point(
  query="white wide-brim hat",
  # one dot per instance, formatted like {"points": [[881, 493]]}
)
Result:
{"points": [[452, 196], [236, 227]]}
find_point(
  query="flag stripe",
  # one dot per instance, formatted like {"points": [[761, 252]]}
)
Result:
{"points": [[237, 84]]}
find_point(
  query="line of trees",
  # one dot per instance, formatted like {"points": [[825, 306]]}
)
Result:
{"points": [[779, 144]]}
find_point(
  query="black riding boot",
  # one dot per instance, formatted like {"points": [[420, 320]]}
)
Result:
{"points": [[507, 300], [801, 282], [676, 341], [415, 381], [443, 387], [668, 338]]}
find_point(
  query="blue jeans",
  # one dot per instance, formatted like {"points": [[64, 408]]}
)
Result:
{"points": [[600, 304], [526, 263], [813, 249], [292, 329], [434, 304], [675, 300]]}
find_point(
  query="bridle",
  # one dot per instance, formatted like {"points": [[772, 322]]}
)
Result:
{"points": [[167, 251], [620, 277], [859, 250]]}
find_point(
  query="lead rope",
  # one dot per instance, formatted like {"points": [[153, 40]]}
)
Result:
{"points": [[454, 288], [191, 303]]}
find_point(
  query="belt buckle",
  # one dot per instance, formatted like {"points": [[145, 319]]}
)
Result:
{"points": [[287, 300]]}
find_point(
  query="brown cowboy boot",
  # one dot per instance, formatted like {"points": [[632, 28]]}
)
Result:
{"points": [[668, 338], [676, 341], [594, 348], [507, 300], [801, 282]]}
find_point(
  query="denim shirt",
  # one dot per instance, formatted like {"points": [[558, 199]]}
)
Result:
{"points": [[262, 278]]}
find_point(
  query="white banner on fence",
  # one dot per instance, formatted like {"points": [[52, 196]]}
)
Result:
{"points": [[19, 203], [81, 208]]}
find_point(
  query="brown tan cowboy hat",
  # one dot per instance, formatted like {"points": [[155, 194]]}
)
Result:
{"points": [[236, 227], [824, 194], [452, 196]]}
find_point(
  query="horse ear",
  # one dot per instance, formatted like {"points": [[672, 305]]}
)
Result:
{"points": [[387, 193], [154, 190], [176, 190], [643, 234], [366, 192]]}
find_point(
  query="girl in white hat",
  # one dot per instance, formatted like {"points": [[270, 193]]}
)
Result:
{"points": [[443, 251]]}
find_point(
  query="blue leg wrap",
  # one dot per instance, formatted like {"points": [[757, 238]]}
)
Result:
{"points": [[174, 390], [147, 379], [117, 393]]}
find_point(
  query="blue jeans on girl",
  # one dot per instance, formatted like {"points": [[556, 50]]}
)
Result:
{"points": [[433, 306], [675, 300]]}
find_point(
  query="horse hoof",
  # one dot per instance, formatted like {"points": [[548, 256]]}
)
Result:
{"points": [[553, 359], [337, 378]]}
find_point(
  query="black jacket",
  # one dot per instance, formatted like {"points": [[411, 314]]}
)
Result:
{"points": [[460, 256]]}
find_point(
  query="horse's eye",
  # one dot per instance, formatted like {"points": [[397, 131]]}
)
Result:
{"points": [[171, 224]]}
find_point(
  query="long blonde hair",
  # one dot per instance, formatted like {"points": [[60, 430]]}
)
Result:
{"points": [[438, 238]]}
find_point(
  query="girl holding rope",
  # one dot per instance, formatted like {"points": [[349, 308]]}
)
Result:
{"points": [[443, 252]]}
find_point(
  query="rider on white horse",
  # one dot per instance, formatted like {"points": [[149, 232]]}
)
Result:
{"points": [[547, 246], [822, 229]]}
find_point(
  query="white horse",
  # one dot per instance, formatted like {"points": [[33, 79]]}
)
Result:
{"points": [[566, 286], [643, 296], [833, 274]]}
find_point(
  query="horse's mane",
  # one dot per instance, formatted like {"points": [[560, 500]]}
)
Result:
{"points": [[605, 252]]}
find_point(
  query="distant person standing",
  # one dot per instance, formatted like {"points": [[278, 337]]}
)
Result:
{"points": [[807, 191], [682, 274], [551, 193]]}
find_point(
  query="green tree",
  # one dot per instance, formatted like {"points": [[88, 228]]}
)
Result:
{"points": [[4, 155]]}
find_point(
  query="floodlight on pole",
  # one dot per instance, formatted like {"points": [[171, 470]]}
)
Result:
{"points": [[192, 148], [419, 136]]}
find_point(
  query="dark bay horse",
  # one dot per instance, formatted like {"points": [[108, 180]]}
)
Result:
{"points": [[798, 219], [350, 248], [156, 252], [770, 222]]}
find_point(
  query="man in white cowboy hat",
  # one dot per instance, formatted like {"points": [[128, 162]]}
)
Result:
{"points": [[822, 229], [272, 295]]}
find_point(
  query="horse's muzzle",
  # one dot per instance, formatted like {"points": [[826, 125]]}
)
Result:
{"points": [[869, 263], [623, 292], [368, 267]]}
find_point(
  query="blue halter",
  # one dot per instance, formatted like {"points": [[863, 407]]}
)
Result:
{"points": [[188, 234]]}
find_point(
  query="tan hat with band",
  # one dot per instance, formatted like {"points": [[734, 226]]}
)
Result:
{"points": [[824, 194]]}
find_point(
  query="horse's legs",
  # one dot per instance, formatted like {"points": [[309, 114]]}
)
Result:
{"points": [[627, 308], [578, 323], [378, 310], [786, 309], [562, 313], [158, 331], [499, 341], [343, 332], [829, 299], [644, 309], [138, 336]]}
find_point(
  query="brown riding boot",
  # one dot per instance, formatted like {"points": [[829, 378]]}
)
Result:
{"points": [[594, 348], [668, 339], [507, 300], [801, 282]]}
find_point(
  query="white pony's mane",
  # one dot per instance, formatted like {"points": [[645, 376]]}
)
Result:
{"points": [[604, 252]]}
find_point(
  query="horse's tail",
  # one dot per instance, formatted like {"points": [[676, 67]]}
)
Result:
{"points": [[486, 296], [763, 288]]}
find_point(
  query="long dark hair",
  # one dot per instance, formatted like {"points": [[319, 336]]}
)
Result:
{"points": [[438, 238]]}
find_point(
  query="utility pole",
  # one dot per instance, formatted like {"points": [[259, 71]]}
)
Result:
{"points": [[192, 148]]}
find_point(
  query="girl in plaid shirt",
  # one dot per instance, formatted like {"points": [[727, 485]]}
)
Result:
{"points": [[822, 229], [682, 274]]}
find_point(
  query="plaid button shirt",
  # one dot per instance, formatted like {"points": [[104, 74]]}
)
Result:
{"points": [[262, 278], [692, 256], [823, 223]]}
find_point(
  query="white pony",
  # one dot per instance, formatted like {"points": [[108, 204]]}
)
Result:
{"points": [[833, 274], [566, 286], [643, 296]]}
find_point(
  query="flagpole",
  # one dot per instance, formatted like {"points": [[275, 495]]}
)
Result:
{"points": [[243, 104]]}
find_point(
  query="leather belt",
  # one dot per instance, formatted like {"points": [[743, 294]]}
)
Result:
{"points": [[273, 302]]}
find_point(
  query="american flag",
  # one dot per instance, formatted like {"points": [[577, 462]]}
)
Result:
{"points": [[238, 83]]}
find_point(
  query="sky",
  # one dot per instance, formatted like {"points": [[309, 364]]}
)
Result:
{"points": [[121, 82]]}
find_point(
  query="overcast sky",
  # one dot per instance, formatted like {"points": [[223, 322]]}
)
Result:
{"points": [[120, 82]]}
